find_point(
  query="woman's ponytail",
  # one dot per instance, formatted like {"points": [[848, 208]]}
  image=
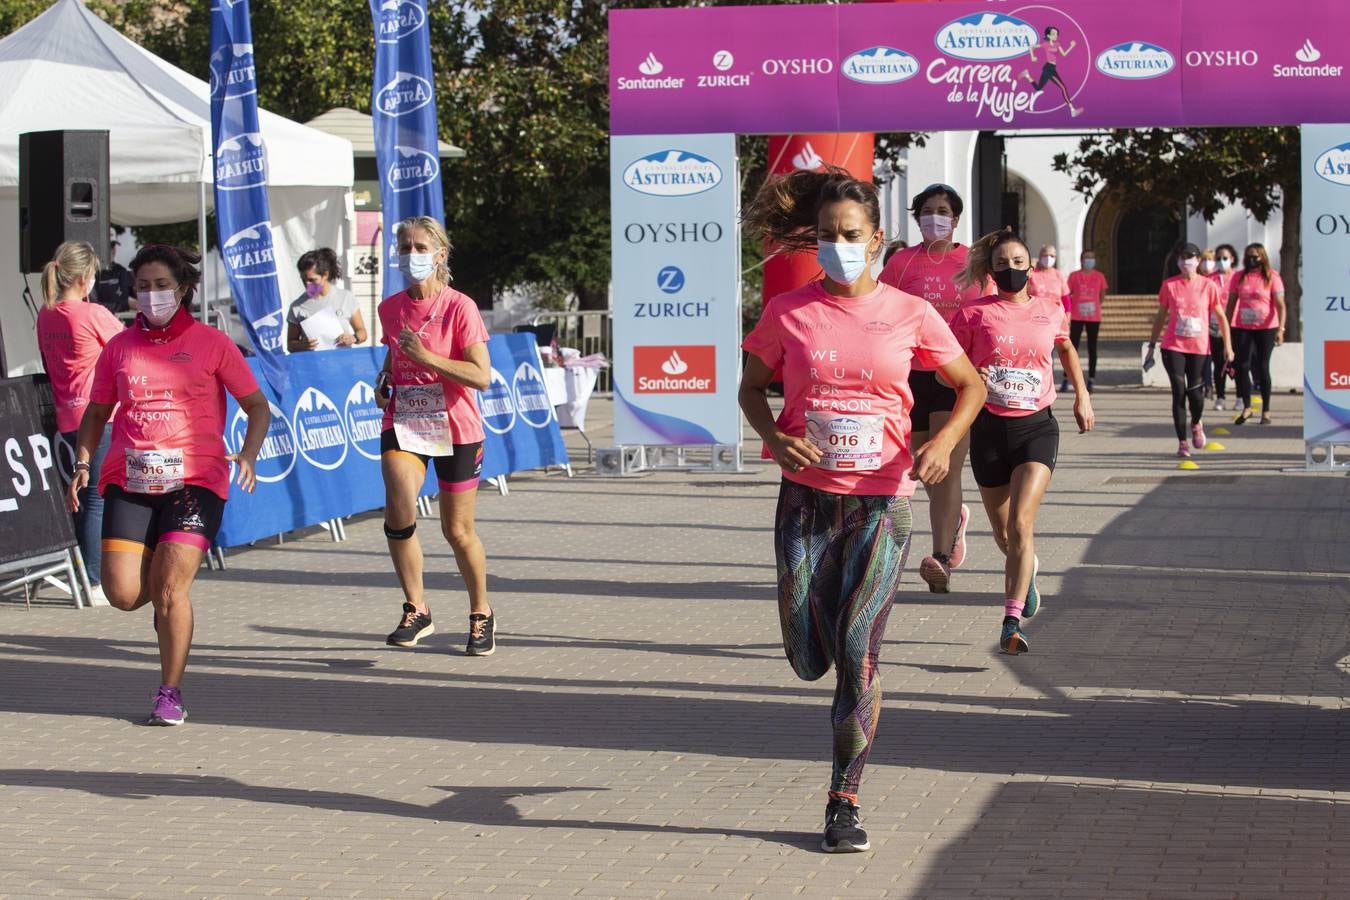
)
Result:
{"points": [[785, 209]]}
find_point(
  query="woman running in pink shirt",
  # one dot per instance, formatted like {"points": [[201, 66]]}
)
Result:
{"points": [[437, 362], [846, 346], [1014, 443], [167, 476], [1053, 51], [71, 334]]}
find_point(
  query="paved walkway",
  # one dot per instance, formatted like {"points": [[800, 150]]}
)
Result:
{"points": [[1179, 729]]}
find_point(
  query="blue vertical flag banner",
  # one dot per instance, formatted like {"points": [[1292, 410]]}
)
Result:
{"points": [[403, 107], [243, 222]]}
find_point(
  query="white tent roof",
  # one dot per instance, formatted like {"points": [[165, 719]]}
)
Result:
{"points": [[358, 128], [69, 69]]}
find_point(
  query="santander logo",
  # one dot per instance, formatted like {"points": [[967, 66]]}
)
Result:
{"points": [[1308, 53], [651, 65], [680, 369], [808, 159]]}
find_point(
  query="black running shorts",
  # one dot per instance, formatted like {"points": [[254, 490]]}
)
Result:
{"points": [[456, 473], [999, 444], [137, 523], [930, 396]]}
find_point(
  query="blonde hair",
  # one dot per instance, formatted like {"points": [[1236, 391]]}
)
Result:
{"points": [[979, 261], [439, 237], [1206, 254], [73, 261]]}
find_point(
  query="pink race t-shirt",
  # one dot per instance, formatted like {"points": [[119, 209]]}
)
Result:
{"points": [[449, 324], [931, 278], [846, 364], [1086, 287], [71, 335], [1049, 284], [1014, 341], [170, 386], [1053, 52], [1189, 304], [1256, 309]]}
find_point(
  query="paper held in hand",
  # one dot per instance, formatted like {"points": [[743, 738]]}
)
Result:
{"points": [[325, 327]]}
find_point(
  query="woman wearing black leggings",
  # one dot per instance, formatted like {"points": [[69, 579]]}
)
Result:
{"points": [[1256, 300], [1185, 304]]}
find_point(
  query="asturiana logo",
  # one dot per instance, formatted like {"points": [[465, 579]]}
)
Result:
{"points": [[984, 37], [1135, 60], [672, 173], [497, 405], [231, 69], [241, 162], [880, 65], [364, 420], [318, 430], [276, 458], [406, 93], [412, 168], [531, 396], [1334, 165], [398, 19], [249, 252]]}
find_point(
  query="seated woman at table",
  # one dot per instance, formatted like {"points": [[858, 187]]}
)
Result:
{"points": [[319, 270]]}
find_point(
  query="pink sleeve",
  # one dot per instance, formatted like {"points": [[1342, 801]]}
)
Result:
{"points": [[1217, 298], [470, 325], [233, 371], [1164, 296], [1063, 334], [935, 344], [103, 389], [106, 325], [765, 340], [1276, 284]]}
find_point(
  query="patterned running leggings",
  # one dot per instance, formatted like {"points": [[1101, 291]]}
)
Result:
{"points": [[840, 559]]}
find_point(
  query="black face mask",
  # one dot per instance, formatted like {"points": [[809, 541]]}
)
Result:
{"points": [[1252, 262], [1011, 281]]}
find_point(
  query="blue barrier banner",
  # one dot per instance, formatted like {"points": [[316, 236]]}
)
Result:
{"points": [[403, 107], [321, 457], [243, 221], [520, 429]]}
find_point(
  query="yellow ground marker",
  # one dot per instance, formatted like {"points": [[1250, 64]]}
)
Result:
{"points": [[1221, 432], [1188, 464], [1215, 445]]}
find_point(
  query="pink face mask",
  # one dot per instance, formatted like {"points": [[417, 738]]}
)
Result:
{"points": [[313, 289], [1189, 265]]}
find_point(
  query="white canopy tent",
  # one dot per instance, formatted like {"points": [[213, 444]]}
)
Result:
{"points": [[68, 69]]}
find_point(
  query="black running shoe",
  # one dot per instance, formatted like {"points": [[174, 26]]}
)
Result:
{"points": [[411, 628], [482, 634], [843, 834]]}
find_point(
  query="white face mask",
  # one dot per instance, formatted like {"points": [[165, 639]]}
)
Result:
{"points": [[158, 307], [1225, 264], [1207, 265], [1189, 265], [1090, 263], [1047, 262], [844, 263], [935, 228]]}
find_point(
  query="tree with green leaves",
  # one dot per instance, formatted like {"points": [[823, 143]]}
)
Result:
{"points": [[1202, 170]]}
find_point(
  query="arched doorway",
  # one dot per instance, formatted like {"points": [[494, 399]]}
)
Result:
{"points": [[1143, 244]]}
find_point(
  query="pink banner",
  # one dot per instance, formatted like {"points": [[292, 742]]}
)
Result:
{"points": [[977, 65]]}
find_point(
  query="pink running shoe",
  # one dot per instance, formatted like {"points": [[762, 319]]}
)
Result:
{"points": [[1198, 437], [937, 573], [168, 707], [1184, 451], [958, 554]]}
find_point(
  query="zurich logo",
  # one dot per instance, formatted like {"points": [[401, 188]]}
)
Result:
{"points": [[527, 389], [319, 434], [398, 19], [670, 280], [364, 420], [497, 405], [984, 37], [1334, 165], [1135, 60], [277, 456], [249, 253], [412, 168], [241, 162], [231, 71], [880, 65], [672, 173], [405, 94]]}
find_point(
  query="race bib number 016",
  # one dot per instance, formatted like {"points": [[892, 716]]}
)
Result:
{"points": [[421, 422], [154, 471], [1015, 388], [847, 443]]}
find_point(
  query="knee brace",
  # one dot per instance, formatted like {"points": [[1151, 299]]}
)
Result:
{"points": [[399, 534]]}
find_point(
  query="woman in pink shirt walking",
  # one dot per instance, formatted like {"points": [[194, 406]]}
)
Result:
{"points": [[437, 362], [1014, 443], [846, 346], [1256, 298], [71, 334], [168, 475]]}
